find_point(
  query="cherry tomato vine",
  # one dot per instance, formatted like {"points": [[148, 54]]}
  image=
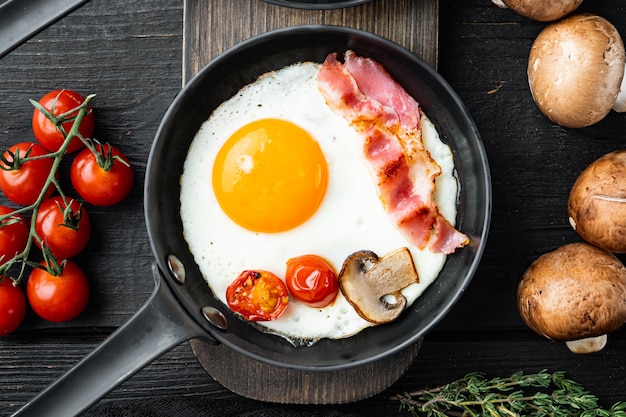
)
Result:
{"points": [[14, 163], [64, 114]]}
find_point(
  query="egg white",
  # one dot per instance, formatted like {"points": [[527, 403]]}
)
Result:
{"points": [[350, 218]]}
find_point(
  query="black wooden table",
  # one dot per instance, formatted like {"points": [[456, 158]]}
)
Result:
{"points": [[130, 55]]}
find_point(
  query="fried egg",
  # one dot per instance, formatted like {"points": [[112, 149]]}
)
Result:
{"points": [[311, 193]]}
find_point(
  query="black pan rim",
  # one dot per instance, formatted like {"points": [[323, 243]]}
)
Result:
{"points": [[483, 176]]}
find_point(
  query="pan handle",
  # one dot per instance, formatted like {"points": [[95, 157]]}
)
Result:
{"points": [[157, 327]]}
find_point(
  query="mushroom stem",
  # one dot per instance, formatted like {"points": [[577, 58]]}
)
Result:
{"points": [[587, 345], [620, 103], [499, 3]]}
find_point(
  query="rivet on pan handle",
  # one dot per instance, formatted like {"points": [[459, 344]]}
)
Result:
{"points": [[215, 317], [211, 314], [177, 269]]}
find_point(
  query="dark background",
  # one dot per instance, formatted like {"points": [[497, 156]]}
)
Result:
{"points": [[130, 55]]}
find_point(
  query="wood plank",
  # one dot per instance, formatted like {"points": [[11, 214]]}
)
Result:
{"points": [[210, 27]]}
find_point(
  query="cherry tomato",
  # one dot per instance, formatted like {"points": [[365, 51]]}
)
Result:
{"points": [[12, 306], [257, 295], [102, 180], [13, 234], [312, 280], [59, 102], [22, 182], [58, 298], [65, 230]]}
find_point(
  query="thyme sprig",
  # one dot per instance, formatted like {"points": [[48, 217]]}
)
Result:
{"points": [[540, 394], [22, 259]]}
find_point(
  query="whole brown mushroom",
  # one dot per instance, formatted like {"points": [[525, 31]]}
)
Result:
{"points": [[597, 203], [541, 10], [576, 70], [576, 294]]}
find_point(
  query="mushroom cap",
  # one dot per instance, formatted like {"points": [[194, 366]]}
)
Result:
{"points": [[597, 202], [543, 10], [575, 69], [574, 292]]}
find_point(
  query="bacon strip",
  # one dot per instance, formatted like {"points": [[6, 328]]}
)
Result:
{"points": [[389, 118]]}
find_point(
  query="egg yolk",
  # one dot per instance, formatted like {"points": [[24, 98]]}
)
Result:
{"points": [[270, 176]]}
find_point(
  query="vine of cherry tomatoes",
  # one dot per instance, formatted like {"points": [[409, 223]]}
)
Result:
{"points": [[58, 226]]}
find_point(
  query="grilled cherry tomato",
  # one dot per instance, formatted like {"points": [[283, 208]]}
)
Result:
{"points": [[58, 298], [12, 306], [102, 180], [59, 102], [312, 280], [257, 295], [22, 182], [64, 228], [13, 234]]}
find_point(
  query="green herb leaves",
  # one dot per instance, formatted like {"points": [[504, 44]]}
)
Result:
{"points": [[541, 394]]}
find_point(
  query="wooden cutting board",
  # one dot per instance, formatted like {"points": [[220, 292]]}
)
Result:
{"points": [[210, 28]]}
